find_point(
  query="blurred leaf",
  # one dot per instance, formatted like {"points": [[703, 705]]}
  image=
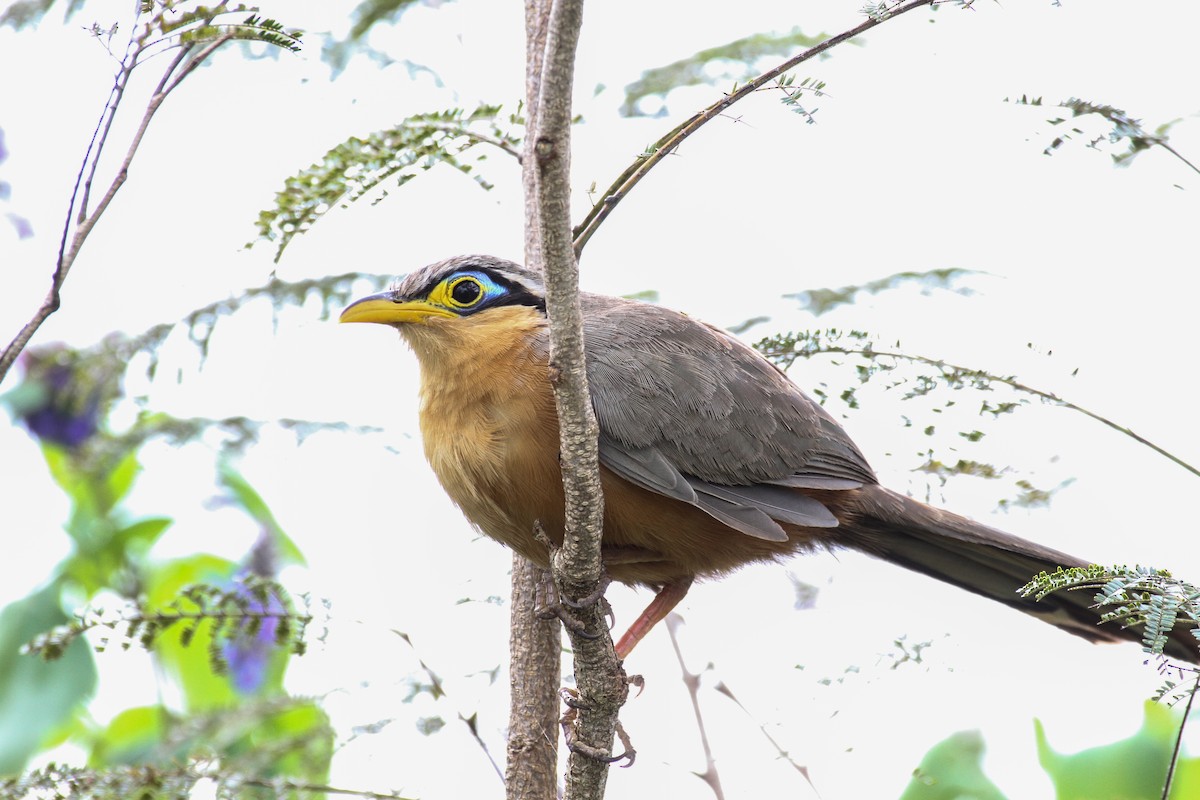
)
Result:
{"points": [[819, 301], [130, 738], [37, 697], [953, 770], [30, 12], [370, 12], [733, 61], [120, 481], [1129, 769], [140, 535], [293, 739], [252, 503], [428, 726], [69, 479], [184, 650]]}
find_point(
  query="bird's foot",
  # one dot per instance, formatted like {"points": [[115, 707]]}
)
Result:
{"points": [[550, 603], [574, 704], [593, 597]]}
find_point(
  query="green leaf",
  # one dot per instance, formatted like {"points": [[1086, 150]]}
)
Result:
{"points": [[190, 664], [296, 742], [69, 479], [130, 738], [953, 770], [370, 12], [1129, 769], [37, 697], [253, 504], [140, 535], [120, 481]]}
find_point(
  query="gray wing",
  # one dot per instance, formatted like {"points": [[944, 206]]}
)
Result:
{"points": [[690, 412]]}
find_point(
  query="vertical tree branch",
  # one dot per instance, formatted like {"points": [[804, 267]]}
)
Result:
{"points": [[600, 680], [535, 645]]}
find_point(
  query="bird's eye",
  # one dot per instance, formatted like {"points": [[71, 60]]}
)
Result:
{"points": [[465, 292]]}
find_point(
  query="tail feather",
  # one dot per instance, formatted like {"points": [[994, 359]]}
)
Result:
{"points": [[985, 561]]}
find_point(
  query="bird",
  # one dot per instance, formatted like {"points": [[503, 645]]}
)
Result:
{"points": [[711, 457]]}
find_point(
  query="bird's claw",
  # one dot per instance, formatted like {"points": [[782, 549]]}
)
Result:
{"points": [[574, 703], [550, 602]]}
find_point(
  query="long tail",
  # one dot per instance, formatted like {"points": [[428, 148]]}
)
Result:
{"points": [[982, 560]]}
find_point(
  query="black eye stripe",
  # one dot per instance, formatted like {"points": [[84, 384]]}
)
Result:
{"points": [[480, 288]]}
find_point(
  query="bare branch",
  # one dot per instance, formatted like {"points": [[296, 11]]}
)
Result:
{"points": [[70, 245]]}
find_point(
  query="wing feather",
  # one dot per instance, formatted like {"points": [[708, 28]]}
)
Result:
{"points": [[690, 412]]}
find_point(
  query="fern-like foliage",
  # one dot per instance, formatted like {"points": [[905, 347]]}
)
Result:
{"points": [[793, 92], [233, 613], [1134, 596], [359, 166], [172, 23]]}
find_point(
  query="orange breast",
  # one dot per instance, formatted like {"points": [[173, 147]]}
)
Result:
{"points": [[490, 432]]}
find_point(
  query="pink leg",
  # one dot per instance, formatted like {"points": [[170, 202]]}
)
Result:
{"points": [[667, 598]]}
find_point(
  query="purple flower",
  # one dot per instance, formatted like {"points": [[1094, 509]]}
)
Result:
{"points": [[62, 405], [248, 656]]}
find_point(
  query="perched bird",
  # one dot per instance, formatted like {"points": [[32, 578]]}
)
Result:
{"points": [[711, 458]]}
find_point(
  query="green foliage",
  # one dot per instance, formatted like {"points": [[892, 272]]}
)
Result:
{"points": [[733, 61], [1130, 769], [953, 770], [175, 22], [279, 748], [371, 12], [792, 94], [222, 632], [1134, 595], [133, 736], [182, 612], [359, 166], [821, 301], [88, 381], [23, 13], [36, 699]]}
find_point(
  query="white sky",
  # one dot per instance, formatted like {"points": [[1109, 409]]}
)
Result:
{"points": [[915, 164]]}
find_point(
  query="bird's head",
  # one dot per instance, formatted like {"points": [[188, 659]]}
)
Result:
{"points": [[468, 296]]}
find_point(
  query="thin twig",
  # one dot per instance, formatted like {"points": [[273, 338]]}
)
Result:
{"points": [[1178, 155], [668, 144], [70, 245], [1174, 762], [724, 689], [692, 681]]}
